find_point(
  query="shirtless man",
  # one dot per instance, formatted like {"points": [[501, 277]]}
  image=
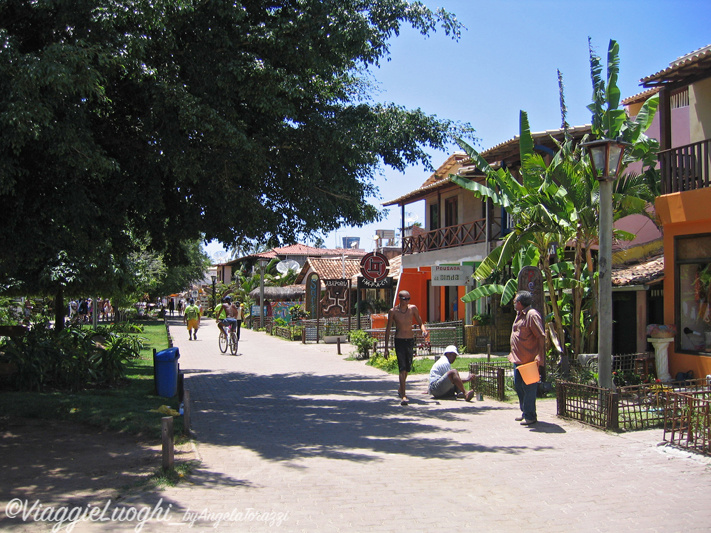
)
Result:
{"points": [[226, 313], [404, 315]]}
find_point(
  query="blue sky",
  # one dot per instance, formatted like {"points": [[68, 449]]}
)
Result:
{"points": [[506, 61]]}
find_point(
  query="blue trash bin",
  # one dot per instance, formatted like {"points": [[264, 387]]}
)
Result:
{"points": [[166, 372]]}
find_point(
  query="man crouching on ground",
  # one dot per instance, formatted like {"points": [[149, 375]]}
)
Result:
{"points": [[444, 379]]}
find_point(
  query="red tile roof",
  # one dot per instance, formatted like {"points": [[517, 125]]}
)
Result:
{"points": [[685, 69], [303, 249], [640, 97], [461, 163], [639, 274]]}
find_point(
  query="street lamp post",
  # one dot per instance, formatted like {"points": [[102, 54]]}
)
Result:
{"points": [[606, 161], [214, 304], [262, 263]]}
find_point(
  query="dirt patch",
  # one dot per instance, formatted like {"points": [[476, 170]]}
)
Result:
{"points": [[59, 463]]}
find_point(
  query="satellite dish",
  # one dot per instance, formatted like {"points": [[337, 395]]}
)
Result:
{"points": [[285, 266]]}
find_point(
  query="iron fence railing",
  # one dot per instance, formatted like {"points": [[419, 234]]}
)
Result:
{"points": [[442, 334], [688, 420], [632, 407], [492, 377]]}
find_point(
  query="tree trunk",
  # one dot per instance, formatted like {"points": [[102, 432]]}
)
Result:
{"points": [[560, 331], [59, 310], [577, 298], [592, 332]]}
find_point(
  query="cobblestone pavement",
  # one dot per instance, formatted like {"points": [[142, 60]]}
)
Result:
{"points": [[294, 437]]}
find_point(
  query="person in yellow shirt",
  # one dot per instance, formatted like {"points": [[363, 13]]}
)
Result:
{"points": [[192, 318]]}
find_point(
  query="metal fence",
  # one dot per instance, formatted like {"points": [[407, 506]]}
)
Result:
{"points": [[491, 377], [633, 407], [587, 404], [442, 334], [688, 420]]}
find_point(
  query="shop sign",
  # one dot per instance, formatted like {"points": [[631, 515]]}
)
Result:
{"points": [[451, 275]]}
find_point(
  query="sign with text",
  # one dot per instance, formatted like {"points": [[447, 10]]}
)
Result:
{"points": [[451, 275], [313, 294], [336, 301], [386, 283]]}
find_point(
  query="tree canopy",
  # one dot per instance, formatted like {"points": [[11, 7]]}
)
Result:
{"points": [[162, 121]]}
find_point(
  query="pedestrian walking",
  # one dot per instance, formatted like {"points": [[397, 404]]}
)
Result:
{"points": [[403, 316], [192, 319]]}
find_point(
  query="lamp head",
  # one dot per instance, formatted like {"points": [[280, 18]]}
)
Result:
{"points": [[606, 158]]}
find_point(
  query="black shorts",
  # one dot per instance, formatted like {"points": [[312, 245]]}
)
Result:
{"points": [[405, 350]]}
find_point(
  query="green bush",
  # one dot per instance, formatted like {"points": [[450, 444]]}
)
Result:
{"points": [[362, 341], [388, 364], [71, 359]]}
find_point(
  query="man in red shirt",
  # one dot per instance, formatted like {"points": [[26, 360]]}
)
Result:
{"points": [[528, 340]]}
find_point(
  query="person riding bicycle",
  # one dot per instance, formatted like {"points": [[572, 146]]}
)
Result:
{"points": [[226, 313]]}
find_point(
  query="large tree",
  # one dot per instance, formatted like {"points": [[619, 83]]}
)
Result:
{"points": [[173, 119]]}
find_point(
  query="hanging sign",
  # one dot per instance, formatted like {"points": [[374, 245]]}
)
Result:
{"points": [[374, 266]]}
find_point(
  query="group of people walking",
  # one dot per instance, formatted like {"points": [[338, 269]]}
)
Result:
{"points": [[81, 310]]}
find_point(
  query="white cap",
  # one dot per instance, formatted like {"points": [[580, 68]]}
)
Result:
{"points": [[451, 349]]}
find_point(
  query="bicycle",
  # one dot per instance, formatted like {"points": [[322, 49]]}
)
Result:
{"points": [[228, 339]]}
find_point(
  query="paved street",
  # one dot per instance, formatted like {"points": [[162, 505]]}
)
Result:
{"points": [[293, 437]]}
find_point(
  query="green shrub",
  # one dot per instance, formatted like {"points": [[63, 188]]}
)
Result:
{"points": [[389, 363], [362, 341], [71, 359]]}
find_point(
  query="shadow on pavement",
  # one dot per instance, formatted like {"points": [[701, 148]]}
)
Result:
{"points": [[285, 417]]}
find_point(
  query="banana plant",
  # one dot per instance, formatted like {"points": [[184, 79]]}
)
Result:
{"points": [[559, 203]]}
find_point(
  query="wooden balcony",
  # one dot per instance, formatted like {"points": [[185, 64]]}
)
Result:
{"points": [[451, 237], [685, 168]]}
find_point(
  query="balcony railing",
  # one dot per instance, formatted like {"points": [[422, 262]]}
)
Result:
{"points": [[685, 168], [450, 237]]}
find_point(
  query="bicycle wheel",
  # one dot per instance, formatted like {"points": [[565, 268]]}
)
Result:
{"points": [[233, 343], [223, 341]]}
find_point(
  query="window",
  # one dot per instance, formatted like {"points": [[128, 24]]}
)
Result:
{"points": [[434, 216], [693, 293], [451, 217]]}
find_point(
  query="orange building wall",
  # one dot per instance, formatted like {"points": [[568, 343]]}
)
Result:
{"points": [[415, 282], [685, 213], [461, 308]]}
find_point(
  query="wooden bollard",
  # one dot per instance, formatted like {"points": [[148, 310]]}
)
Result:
{"points": [[488, 353], [186, 413], [166, 424], [338, 344]]}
